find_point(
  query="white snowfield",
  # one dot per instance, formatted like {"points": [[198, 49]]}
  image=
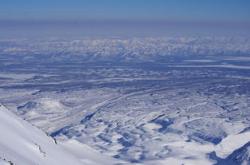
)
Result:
{"points": [[226, 147], [231, 143], [23, 144]]}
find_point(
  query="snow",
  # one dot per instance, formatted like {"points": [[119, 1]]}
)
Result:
{"points": [[144, 49], [232, 143], [176, 161], [214, 66], [190, 153], [90, 156], [138, 100], [21, 143]]}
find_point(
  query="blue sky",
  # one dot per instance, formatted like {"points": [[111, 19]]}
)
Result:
{"points": [[173, 10], [71, 18]]}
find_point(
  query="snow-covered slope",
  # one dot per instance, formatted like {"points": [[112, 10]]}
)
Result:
{"points": [[23, 144]]}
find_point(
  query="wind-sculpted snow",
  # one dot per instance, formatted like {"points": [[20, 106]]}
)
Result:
{"points": [[174, 107]]}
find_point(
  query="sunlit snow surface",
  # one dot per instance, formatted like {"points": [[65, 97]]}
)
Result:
{"points": [[22, 143], [146, 101]]}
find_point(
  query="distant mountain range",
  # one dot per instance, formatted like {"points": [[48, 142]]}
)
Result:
{"points": [[143, 49]]}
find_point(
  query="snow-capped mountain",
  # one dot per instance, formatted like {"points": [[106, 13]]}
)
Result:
{"points": [[142, 49]]}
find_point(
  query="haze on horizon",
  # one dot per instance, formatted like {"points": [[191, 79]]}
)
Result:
{"points": [[123, 18]]}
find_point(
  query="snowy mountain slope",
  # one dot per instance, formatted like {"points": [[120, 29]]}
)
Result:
{"points": [[239, 156], [23, 144], [87, 155], [235, 149], [232, 143]]}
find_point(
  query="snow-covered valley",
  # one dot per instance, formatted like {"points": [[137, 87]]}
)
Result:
{"points": [[191, 108]]}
